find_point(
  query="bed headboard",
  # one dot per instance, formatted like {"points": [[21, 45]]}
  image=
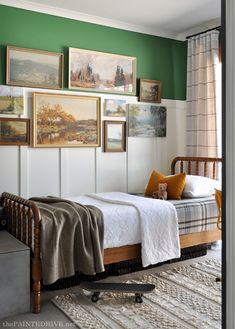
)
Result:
{"points": [[208, 167]]}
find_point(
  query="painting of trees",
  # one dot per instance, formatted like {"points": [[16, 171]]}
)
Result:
{"points": [[100, 71], [11, 100], [115, 107], [119, 79], [150, 91], [147, 120], [14, 131], [64, 120]]}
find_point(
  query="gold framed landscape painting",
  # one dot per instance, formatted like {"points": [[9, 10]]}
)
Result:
{"points": [[14, 131], [150, 91], [65, 120], [11, 100], [114, 136], [104, 72], [34, 68]]}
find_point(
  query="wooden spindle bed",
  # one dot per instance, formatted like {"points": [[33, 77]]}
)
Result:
{"points": [[24, 218]]}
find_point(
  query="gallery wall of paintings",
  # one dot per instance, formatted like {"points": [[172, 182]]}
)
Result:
{"points": [[89, 134], [66, 171], [74, 121]]}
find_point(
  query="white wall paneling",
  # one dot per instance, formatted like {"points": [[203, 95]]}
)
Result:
{"points": [[71, 171], [174, 144], [78, 171], [23, 171], [141, 154], [111, 171], [9, 169], [43, 171]]}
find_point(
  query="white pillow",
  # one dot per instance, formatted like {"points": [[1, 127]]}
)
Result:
{"points": [[199, 186]]}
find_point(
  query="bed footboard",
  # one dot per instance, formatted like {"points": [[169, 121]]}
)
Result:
{"points": [[23, 219]]}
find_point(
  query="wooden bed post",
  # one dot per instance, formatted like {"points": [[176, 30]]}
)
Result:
{"points": [[36, 261]]}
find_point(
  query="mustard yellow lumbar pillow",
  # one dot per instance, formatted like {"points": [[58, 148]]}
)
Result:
{"points": [[175, 184], [153, 182]]}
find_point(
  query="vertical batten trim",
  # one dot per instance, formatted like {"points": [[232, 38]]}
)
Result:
{"points": [[95, 170], [64, 178], [60, 173], [19, 171], [23, 171], [126, 187], [127, 157]]}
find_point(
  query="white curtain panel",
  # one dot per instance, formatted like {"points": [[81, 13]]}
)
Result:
{"points": [[202, 105]]}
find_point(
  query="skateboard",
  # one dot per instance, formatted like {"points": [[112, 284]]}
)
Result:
{"points": [[136, 288]]}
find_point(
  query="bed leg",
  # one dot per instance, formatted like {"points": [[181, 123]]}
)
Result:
{"points": [[36, 274]]}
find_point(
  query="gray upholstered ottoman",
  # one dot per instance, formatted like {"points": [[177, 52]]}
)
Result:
{"points": [[14, 276]]}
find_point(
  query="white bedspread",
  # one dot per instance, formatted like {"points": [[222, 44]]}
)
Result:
{"points": [[156, 222]]}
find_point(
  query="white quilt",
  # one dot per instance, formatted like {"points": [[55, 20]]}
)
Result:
{"points": [[157, 222]]}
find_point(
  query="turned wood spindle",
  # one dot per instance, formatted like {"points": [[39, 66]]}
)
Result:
{"points": [[189, 167], [205, 169], [197, 168], [181, 166]]}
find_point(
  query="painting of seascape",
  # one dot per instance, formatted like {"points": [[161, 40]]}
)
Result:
{"points": [[147, 120], [66, 120], [11, 100], [97, 71], [34, 68]]}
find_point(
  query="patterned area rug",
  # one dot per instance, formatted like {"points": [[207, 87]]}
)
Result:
{"points": [[186, 297]]}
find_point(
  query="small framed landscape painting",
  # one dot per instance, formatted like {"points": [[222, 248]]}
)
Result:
{"points": [[11, 100], [65, 120], [114, 136], [114, 108], [34, 68], [150, 91], [14, 131], [98, 71], [146, 120]]}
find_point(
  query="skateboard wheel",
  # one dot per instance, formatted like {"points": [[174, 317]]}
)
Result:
{"points": [[95, 297], [138, 299]]}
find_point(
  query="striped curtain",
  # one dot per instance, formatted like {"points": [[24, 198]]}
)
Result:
{"points": [[202, 76]]}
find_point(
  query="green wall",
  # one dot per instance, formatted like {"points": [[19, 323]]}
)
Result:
{"points": [[157, 58]]}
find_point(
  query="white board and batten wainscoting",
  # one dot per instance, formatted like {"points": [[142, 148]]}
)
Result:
{"points": [[63, 172]]}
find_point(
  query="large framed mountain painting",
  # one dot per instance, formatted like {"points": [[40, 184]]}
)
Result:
{"points": [[104, 72], [34, 68]]}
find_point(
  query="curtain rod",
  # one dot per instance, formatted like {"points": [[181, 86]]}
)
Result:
{"points": [[194, 35]]}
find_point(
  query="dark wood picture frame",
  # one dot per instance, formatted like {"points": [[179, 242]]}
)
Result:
{"points": [[11, 137], [150, 91], [113, 143]]}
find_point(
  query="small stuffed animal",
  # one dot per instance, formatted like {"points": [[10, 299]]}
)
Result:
{"points": [[161, 193]]}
